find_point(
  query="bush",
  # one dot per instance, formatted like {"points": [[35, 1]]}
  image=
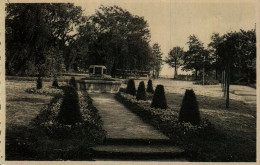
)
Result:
{"points": [[73, 83], [55, 83], [189, 111], [207, 82], [45, 91], [159, 99], [150, 86], [39, 83], [130, 89], [141, 94], [69, 113]]}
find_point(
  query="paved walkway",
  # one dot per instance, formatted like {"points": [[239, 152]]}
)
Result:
{"points": [[121, 123]]}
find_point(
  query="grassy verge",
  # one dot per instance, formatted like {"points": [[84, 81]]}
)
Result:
{"points": [[41, 137], [208, 142]]}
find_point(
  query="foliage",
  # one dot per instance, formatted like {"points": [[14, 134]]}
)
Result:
{"points": [[69, 113], [39, 83], [44, 91], [189, 111], [37, 36], [157, 60], [117, 39], [150, 86], [73, 82], [130, 89], [55, 83], [141, 94], [174, 58], [159, 99], [209, 81]]}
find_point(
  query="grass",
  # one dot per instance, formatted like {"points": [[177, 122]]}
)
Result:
{"points": [[27, 141]]}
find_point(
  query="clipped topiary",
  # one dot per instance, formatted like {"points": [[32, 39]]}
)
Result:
{"points": [[73, 83], [55, 83], [69, 113], [159, 99], [189, 111], [39, 83], [150, 86], [141, 94], [130, 89]]}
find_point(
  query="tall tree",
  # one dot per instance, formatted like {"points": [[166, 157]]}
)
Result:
{"points": [[120, 40], [194, 57], [157, 60], [216, 39], [174, 59], [36, 35]]}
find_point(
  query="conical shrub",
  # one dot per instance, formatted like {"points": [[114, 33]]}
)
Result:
{"points": [[150, 86], [55, 83], [141, 94], [73, 83], [159, 99], [130, 89], [39, 83], [69, 113], [189, 111]]}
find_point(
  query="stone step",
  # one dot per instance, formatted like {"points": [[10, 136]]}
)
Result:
{"points": [[123, 141], [138, 152]]}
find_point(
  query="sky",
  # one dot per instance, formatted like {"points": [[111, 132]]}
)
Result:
{"points": [[171, 22]]}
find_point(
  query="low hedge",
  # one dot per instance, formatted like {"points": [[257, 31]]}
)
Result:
{"points": [[45, 91]]}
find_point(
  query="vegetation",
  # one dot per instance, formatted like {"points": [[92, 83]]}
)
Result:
{"points": [[157, 62], [141, 94], [189, 111], [174, 59], [55, 83], [130, 89], [69, 113], [150, 86], [39, 83], [73, 82], [159, 100]]}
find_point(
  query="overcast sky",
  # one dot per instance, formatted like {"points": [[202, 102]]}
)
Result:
{"points": [[171, 22]]}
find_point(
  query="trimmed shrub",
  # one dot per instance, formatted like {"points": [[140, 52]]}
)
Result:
{"points": [[141, 94], [150, 86], [159, 99], [189, 111], [55, 83], [130, 89], [39, 83], [69, 113], [73, 83]]}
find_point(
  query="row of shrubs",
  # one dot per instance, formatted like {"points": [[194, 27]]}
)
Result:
{"points": [[71, 116], [55, 84], [189, 111]]}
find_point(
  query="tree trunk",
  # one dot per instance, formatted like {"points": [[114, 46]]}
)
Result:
{"points": [[225, 80], [196, 74], [216, 74], [228, 82], [175, 71]]}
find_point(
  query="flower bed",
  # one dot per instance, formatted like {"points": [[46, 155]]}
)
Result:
{"points": [[69, 142], [45, 91], [166, 120]]}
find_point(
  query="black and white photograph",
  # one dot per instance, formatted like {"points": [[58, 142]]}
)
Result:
{"points": [[130, 80]]}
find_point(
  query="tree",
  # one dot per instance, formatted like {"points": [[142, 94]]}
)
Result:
{"points": [[119, 40], [130, 89], [150, 86], [216, 39], [189, 111], [194, 57], [37, 35], [159, 99], [157, 60], [174, 58], [141, 94], [236, 51]]}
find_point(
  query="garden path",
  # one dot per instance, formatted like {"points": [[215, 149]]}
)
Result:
{"points": [[128, 137]]}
